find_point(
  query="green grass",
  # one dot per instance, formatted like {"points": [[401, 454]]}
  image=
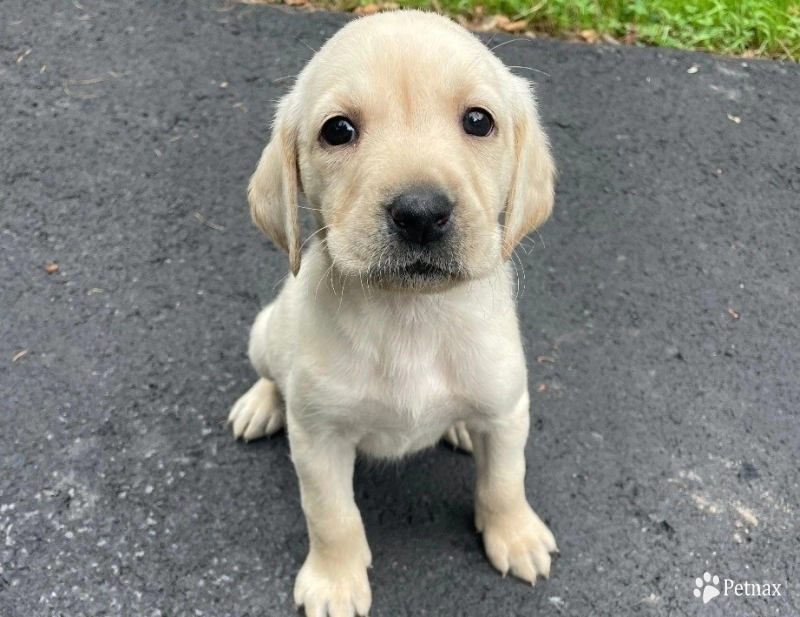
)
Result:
{"points": [[768, 28]]}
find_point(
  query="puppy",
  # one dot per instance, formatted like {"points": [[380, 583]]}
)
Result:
{"points": [[410, 142]]}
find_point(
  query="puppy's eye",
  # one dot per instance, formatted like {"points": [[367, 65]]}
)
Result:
{"points": [[477, 122], [338, 131]]}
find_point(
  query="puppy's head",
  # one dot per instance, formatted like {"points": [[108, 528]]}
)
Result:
{"points": [[410, 142]]}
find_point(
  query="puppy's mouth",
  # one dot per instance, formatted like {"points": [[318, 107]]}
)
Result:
{"points": [[418, 273], [425, 270]]}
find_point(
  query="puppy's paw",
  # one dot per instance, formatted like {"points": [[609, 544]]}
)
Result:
{"points": [[458, 437], [518, 542], [257, 413], [328, 589]]}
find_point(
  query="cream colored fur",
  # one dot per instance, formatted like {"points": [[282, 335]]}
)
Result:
{"points": [[353, 363]]}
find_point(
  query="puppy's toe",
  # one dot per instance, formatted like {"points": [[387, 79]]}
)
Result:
{"points": [[333, 589], [257, 413], [458, 437], [520, 543]]}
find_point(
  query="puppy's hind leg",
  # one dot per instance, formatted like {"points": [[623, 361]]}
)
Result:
{"points": [[458, 437], [259, 412]]}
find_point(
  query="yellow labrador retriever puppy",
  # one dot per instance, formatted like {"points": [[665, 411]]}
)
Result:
{"points": [[410, 142]]}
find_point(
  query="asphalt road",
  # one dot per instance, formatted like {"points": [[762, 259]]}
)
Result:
{"points": [[665, 289]]}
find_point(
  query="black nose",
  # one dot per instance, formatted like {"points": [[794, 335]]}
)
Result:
{"points": [[421, 215]]}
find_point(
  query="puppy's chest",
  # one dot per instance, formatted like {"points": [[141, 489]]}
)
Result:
{"points": [[402, 392], [410, 399], [414, 376]]}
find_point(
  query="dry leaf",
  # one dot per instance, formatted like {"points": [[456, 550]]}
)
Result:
{"points": [[590, 36], [693, 69], [515, 26], [208, 223], [735, 119], [541, 387], [543, 359], [295, 2], [733, 313], [486, 25], [631, 37], [51, 269], [367, 9]]}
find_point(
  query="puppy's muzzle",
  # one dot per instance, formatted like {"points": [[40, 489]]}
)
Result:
{"points": [[420, 216]]}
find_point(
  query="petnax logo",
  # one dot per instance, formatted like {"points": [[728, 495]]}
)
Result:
{"points": [[711, 586]]}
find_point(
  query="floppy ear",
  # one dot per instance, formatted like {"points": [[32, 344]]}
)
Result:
{"points": [[530, 200], [274, 187]]}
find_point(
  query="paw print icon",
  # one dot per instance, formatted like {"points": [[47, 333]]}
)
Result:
{"points": [[706, 587]]}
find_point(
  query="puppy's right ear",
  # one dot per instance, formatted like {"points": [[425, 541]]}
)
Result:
{"points": [[274, 187]]}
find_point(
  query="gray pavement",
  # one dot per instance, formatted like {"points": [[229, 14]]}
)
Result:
{"points": [[665, 288]]}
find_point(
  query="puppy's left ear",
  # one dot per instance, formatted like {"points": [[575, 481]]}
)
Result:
{"points": [[274, 187], [530, 200]]}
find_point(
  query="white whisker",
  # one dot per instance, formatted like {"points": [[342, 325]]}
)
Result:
{"points": [[323, 228], [527, 68], [498, 46]]}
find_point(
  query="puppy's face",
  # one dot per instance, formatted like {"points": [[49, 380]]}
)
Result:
{"points": [[409, 140]]}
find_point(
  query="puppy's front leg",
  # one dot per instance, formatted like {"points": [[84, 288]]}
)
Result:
{"points": [[333, 580], [514, 537]]}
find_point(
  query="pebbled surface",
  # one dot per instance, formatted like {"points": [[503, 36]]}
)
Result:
{"points": [[665, 443]]}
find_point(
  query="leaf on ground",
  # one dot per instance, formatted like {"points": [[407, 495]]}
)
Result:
{"points": [[480, 23], [367, 9], [515, 26], [632, 37], [19, 354], [51, 269]]}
